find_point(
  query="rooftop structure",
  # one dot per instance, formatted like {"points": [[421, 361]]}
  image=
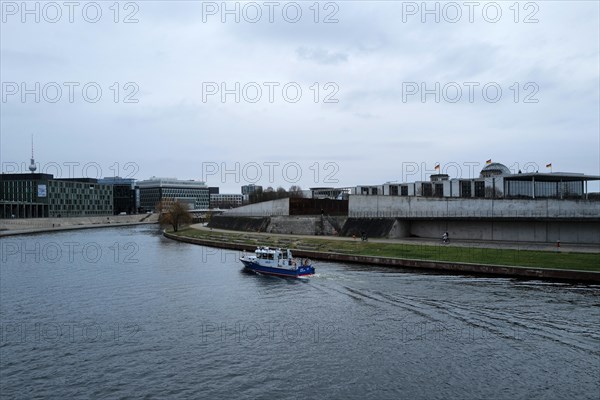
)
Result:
{"points": [[494, 169], [495, 181], [225, 201], [171, 183], [156, 190]]}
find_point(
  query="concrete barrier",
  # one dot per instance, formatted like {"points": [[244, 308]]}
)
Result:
{"points": [[240, 223]]}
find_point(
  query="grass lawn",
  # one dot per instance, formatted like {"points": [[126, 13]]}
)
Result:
{"points": [[478, 255]]}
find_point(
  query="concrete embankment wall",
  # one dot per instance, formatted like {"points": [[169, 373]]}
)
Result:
{"points": [[306, 225], [239, 223], [417, 207], [264, 209], [28, 223], [452, 267], [584, 232], [39, 225], [296, 225], [373, 227]]}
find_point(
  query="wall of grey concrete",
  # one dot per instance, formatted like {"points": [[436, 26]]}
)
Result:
{"points": [[240, 223], [305, 225], [400, 229], [263, 209], [29, 223], [585, 232], [301, 225], [372, 227], [395, 206]]}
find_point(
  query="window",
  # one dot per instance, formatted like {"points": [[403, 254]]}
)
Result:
{"points": [[465, 188], [426, 190], [479, 189]]}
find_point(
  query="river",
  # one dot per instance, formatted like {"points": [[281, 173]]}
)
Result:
{"points": [[125, 312]]}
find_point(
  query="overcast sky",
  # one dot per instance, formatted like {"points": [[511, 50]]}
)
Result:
{"points": [[365, 63]]}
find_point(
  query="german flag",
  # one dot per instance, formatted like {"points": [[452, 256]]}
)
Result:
{"points": [[549, 165], [489, 161]]}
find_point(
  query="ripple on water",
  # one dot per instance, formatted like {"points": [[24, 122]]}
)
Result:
{"points": [[177, 323]]}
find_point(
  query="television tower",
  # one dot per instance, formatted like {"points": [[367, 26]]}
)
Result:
{"points": [[32, 166]]}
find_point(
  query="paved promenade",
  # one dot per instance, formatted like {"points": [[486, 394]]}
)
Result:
{"points": [[37, 225], [10, 227], [564, 247]]}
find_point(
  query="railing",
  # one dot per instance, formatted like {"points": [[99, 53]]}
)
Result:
{"points": [[475, 214], [257, 214]]}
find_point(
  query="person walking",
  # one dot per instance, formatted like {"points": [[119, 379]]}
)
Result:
{"points": [[445, 237]]}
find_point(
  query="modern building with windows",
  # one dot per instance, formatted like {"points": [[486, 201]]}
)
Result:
{"points": [[225, 201], [40, 196], [155, 190], [495, 181], [247, 189], [329, 193], [126, 196]]}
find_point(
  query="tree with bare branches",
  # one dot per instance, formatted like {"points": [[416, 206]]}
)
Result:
{"points": [[174, 213]]}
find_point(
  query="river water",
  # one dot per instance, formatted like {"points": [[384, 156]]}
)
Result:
{"points": [[124, 312]]}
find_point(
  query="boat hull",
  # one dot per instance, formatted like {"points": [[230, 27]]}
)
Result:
{"points": [[304, 270]]}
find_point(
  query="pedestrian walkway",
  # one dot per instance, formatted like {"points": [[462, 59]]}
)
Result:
{"points": [[36, 225], [564, 247]]}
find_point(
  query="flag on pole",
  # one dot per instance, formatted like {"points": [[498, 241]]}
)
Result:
{"points": [[489, 161], [549, 165], [437, 167]]}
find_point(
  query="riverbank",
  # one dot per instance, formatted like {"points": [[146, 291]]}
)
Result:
{"points": [[15, 227], [568, 266]]}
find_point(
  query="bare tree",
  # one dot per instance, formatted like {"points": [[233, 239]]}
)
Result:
{"points": [[296, 191], [281, 193], [174, 213]]}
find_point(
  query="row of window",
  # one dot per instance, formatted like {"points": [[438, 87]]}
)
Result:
{"points": [[105, 208]]}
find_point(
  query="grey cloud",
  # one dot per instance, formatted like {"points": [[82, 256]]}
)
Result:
{"points": [[321, 56]]}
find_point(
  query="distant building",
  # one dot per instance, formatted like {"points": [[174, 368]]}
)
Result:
{"points": [[40, 196], [225, 201], [125, 194], [248, 190], [368, 190], [155, 190], [494, 181], [329, 193]]}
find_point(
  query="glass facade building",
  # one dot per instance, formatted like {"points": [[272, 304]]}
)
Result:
{"points": [[155, 190], [41, 196], [124, 194]]}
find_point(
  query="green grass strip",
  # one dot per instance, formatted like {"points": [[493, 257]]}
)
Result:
{"points": [[477, 255]]}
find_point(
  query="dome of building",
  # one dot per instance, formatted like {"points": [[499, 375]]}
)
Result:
{"points": [[494, 169]]}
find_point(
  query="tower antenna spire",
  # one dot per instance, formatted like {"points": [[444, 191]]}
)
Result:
{"points": [[32, 166]]}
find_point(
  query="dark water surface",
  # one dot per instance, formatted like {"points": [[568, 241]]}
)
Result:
{"points": [[124, 312]]}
